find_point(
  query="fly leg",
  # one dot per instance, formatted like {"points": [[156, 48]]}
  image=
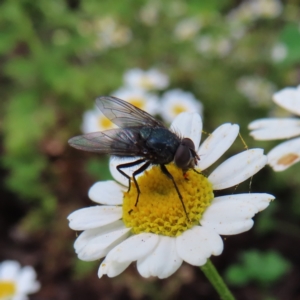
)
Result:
{"points": [[169, 175], [128, 165], [198, 172], [138, 171], [135, 173]]}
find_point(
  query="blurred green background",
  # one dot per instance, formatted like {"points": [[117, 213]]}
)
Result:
{"points": [[57, 56]]}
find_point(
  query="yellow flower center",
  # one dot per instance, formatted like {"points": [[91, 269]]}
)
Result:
{"points": [[178, 108], [105, 123], [159, 209], [146, 83], [7, 289], [136, 101]]}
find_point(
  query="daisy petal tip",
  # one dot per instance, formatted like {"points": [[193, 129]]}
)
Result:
{"points": [[253, 125], [235, 127], [106, 192], [284, 156], [101, 271], [189, 125], [264, 201], [217, 144], [254, 135], [238, 168], [196, 245]]}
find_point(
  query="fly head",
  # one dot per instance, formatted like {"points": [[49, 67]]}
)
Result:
{"points": [[186, 156]]}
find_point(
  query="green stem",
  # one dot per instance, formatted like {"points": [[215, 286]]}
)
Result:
{"points": [[216, 280]]}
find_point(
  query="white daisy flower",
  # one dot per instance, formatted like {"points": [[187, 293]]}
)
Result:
{"points": [[156, 233], [187, 29], [288, 153], [256, 89], [251, 10], [17, 282], [146, 80], [111, 34], [213, 46], [149, 13], [140, 98], [279, 52], [177, 101], [94, 120]]}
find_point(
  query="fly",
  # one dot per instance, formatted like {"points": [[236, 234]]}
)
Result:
{"points": [[139, 135]]}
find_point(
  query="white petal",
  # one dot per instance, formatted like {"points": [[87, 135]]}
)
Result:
{"points": [[196, 245], [95, 216], [147, 101], [111, 268], [216, 144], [134, 248], [27, 283], [107, 192], [9, 270], [163, 261], [237, 168], [115, 161], [289, 98], [284, 155], [177, 98], [20, 296], [232, 214], [274, 129], [94, 244], [188, 125], [90, 121]]}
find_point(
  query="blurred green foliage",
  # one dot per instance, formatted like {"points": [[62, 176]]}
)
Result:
{"points": [[53, 67], [264, 268]]}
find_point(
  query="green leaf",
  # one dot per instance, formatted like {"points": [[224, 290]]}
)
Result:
{"points": [[83, 268], [257, 266]]}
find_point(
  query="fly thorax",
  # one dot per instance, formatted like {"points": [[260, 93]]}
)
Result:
{"points": [[161, 143], [145, 132]]}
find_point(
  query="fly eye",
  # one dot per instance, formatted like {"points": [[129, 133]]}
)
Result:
{"points": [[188, 143], [184, 156]]}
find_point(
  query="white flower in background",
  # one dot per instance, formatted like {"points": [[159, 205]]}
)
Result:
{"points": [[266, 8], [156, 233], [111, 34], [251, 10], [287, 153], [147, 80], [174, 102], [204, 44], [241, 18], [17, 282], [256, 89], [94, 120], [149, 13], [279, 52], [186, 29], [144, 100], [213, 46]]}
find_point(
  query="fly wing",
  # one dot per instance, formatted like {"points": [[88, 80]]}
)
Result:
{"points": [[124, 114], [119, 142]]}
